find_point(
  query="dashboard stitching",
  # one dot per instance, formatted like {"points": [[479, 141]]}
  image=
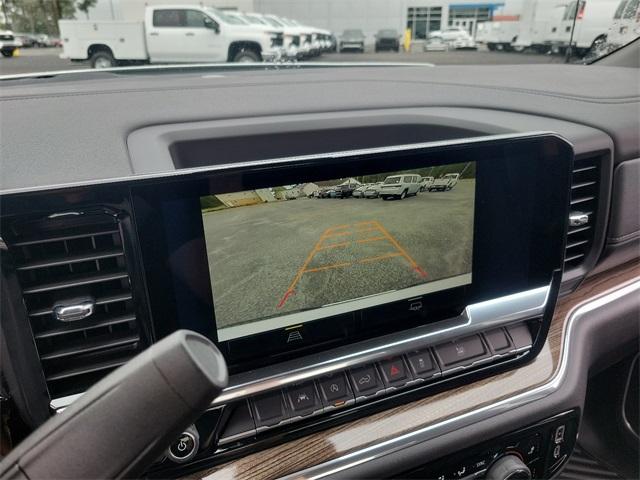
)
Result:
{"points": [[596, 100]]}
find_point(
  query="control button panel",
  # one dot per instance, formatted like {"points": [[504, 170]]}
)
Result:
{"points": [[520, 335], [366, 382], [242, 421], [269, 409], [498, 340], [336, 391], [394, 372], [537, 451], [422, 364], [304, 399], [463, 352]]}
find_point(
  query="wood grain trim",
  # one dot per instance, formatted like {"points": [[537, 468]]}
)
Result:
{"points": [[337, 441]]}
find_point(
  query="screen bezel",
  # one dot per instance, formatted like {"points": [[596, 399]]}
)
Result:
{"points": [[532, 178]]}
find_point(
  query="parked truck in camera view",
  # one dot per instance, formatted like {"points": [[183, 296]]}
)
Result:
{"points": [[169, 34], [446, 182]]}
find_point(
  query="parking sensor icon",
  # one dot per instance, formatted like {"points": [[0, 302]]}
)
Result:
{"points": [[294, 336]]}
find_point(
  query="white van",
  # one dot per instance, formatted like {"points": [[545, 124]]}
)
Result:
{"points": [[593, 20], [400, 186], [539, 21], [626, 24], [498, 35], [444, 183]]}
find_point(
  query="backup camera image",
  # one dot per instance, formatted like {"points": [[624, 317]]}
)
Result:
{"points": [[295, 253]]}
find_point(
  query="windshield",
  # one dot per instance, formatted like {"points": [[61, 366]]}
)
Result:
{"points": [[255, 20], [231, 19], [391, 180], [65, 35], [274, 22]]}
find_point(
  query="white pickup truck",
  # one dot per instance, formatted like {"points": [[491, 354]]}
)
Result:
{"points": [[169, 34], [444, 183]]}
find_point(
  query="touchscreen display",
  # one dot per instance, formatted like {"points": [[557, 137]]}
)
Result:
{"points": [[290, 254]]}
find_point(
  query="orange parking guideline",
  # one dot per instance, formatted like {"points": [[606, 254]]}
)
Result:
{"points": [[337, 227], [380, 257], [370, 239], [290, 291], [338, 230], [327, 267], [395, 243], [335, 245], [338, 234]]}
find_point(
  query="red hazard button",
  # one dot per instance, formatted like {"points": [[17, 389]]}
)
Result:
{"points": [[394, 372]]}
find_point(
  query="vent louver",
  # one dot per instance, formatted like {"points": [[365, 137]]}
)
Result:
{"points": [[584, 206], [70, 260]]}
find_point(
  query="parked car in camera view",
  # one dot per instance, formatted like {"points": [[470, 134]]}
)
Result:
{"points": [[446, 182], [400, 186], [373, 190], [359, 191], [352, 39], [345, 191], [388, 39], [425, 183]]}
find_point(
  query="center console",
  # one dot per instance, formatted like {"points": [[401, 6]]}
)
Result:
{"points": [[339, 285], [536, 451]]}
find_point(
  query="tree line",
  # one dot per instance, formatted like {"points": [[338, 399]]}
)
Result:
{"points": [[40, 16]]}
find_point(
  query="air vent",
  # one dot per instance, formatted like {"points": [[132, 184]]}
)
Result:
{"points": [[584, 206], [76, 287]]}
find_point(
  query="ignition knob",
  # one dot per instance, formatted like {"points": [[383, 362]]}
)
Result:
{"points": [[509, 467]]}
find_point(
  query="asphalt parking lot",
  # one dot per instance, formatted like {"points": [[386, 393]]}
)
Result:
{"points": [[311, 252], [33, 60]]}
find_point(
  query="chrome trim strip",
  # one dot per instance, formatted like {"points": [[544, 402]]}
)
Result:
{"points": [[418, 436], [282, 160], [475, 318]]}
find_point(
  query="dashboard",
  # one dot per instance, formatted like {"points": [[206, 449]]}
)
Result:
{"points": [[406, 275]]}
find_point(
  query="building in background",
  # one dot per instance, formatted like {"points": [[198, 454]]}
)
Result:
{"points": [[421, 16]]}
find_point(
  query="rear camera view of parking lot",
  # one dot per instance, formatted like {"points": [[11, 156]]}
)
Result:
{"points": [[301, 247]]}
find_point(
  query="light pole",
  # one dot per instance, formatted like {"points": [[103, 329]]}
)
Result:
{"points": [[569, 52]]}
